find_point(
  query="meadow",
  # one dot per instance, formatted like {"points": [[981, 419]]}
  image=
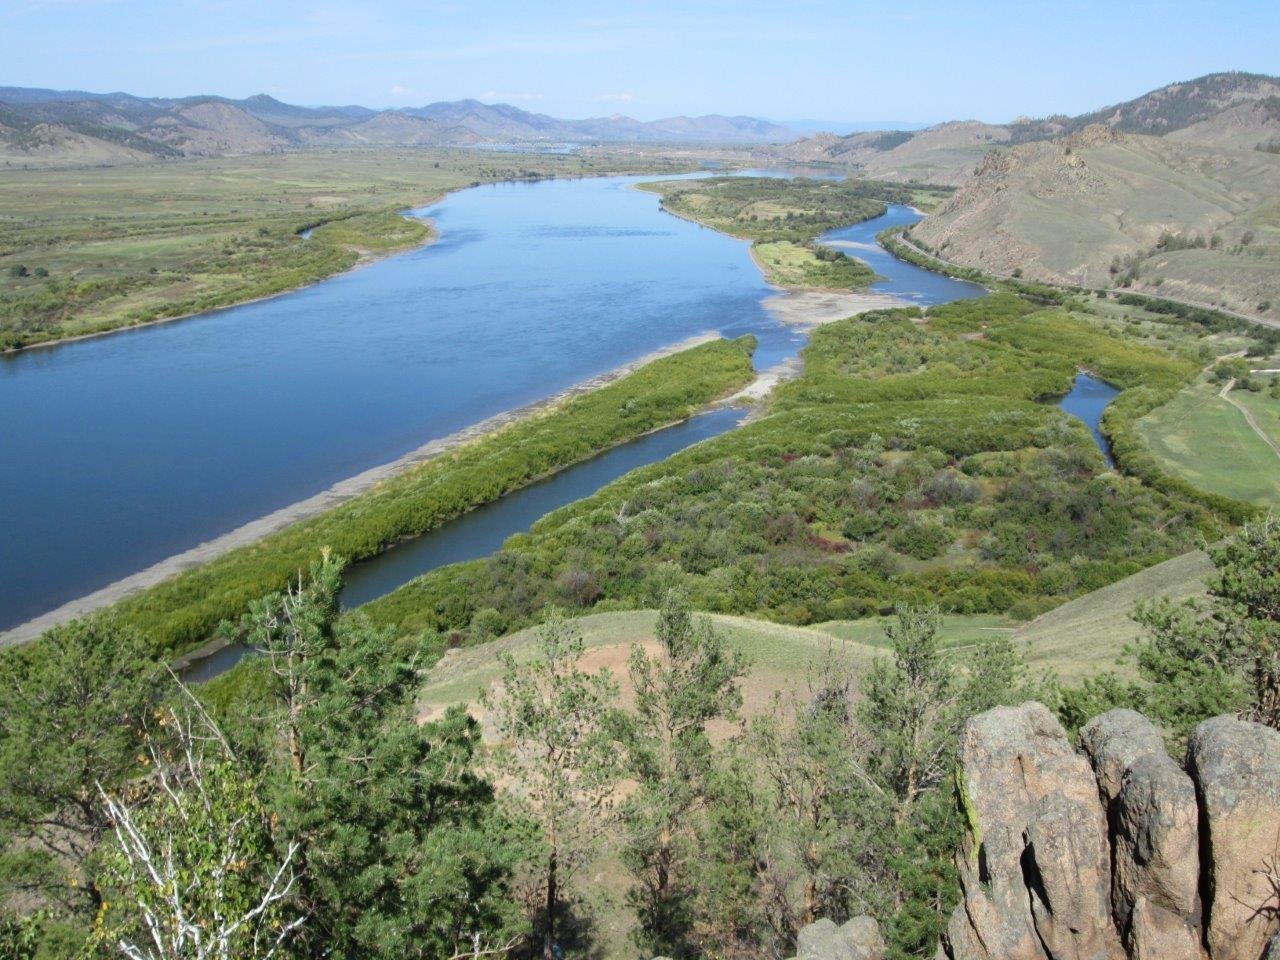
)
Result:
{"points": [[92, 249], [1203, 438]]}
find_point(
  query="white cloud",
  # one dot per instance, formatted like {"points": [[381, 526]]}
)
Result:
{"points": [[617, 98], [399, 91]]}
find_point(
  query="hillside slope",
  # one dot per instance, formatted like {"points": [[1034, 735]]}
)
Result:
{"points": [[1100, 208], [1239, 110]]}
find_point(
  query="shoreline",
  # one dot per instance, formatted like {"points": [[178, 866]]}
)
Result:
{"points": [[333, 496], [802, 307], [364, 259]]}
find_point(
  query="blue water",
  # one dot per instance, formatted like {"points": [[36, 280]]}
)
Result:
{"points": [[123, 450], [1087, 401]]}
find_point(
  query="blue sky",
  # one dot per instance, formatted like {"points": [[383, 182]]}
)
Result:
{"points": [[908, 60]]}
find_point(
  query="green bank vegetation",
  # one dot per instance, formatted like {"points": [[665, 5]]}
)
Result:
{"points": [[88, 250], [184, 610], [782, 217], [917, 459]]}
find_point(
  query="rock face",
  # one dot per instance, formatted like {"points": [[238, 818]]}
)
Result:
{"points": [[858, 939], [1236, 767], [1116, 851], [1151, 811]]}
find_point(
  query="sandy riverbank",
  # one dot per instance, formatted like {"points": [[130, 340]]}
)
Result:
{"points": [[337, 494]]}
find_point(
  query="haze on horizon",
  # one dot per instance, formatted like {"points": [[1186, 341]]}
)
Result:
{"points": [[911, 61]]}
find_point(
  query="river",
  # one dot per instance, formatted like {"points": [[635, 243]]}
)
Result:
{"points": [[123, 450]]}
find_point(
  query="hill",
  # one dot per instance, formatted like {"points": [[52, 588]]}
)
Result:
{"points": [[1102, 208], [74, 126], [1241, 110]]}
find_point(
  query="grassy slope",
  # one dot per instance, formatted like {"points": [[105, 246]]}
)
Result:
{"points": [[780, 656], [1048, 208], [1203, 438], [1090, 632], [184, 610], [128, 244]]}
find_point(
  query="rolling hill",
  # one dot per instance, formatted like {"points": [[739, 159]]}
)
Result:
{"points": [[1241, 110], [1101, 208], [73, 126]]}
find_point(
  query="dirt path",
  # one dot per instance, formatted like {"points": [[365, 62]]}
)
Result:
{"points": [[1248, 416]]}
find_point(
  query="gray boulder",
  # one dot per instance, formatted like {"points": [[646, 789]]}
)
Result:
{"points": [[1035, 860], [1153, 821], [1236, 768], [857, 939]]}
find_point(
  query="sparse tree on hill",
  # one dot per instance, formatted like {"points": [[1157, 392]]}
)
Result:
{"points": [[402, 851], [690, 683], [555, 720], [72, 710], [195, 872]]}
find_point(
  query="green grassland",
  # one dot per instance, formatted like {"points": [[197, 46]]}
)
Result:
{"points": [[917, 459], [184, 611], [780, 657], [1202, 438], [101, 248]]}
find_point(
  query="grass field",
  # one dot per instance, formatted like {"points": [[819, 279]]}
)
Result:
{"points": [[793, 265], [1089, 633], [1204, 439], [781, 657], [85, 250]]}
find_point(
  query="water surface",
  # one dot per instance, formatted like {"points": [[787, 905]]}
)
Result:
{"points": [[124, 450], [1087, 401]]}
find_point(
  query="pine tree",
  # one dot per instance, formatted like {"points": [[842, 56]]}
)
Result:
{"points": [[556, 721], [689, 684]]}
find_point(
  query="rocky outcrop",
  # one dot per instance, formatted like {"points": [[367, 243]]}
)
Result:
{"points": [[857, 939], [1116, 851], [1152, 816], [1236, 768]]}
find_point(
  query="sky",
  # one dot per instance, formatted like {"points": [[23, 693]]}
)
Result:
{"points": [[901, 60]]}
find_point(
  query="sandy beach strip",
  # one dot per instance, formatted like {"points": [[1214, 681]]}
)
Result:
{"points": [[335, 495]]}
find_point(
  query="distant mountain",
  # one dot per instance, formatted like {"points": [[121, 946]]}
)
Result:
{"points": [[1237, 109], [78, 126], [843, 128]]}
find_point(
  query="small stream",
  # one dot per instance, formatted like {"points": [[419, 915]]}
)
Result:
{"points": [[1087, 401]]}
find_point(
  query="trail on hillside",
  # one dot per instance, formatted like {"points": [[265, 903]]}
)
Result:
{"points": [[1248, 416]]}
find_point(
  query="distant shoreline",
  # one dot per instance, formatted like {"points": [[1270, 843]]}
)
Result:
{"points": [[366, 259]]}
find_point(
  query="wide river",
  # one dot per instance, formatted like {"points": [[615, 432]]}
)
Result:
{"points": [[123, 450]]}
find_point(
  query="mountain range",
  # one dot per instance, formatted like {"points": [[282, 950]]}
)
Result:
{"points": [[74, 125], [1221, 109]]}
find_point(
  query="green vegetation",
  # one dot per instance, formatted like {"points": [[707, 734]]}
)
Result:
{"points": [[783, 217], [185, 610], [914, 461], [775, 208], [90, 250], [1203, 657], [1200, 436], [788, 264], [1092, 633]]}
